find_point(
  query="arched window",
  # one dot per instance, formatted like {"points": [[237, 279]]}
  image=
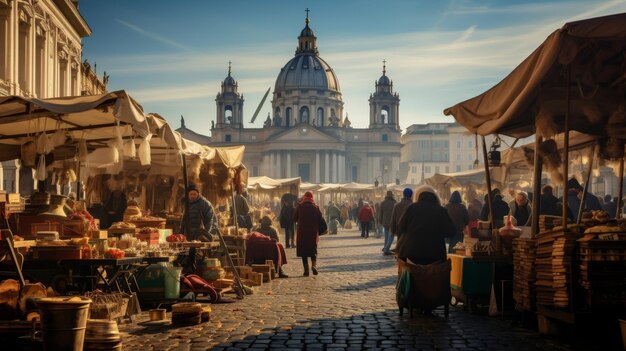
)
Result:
{"points": [[278, 122], [228, 115], [288, 117], [304, 114], [320, 117], [384, 115]]}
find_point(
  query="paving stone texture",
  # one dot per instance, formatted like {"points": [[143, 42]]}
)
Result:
{"points": [[350, 305]]}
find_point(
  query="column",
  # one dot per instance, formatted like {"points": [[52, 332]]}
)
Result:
{"points": [[342, 168], [317, 167], [270, 172], [264, 165], [334, 166], [327, 166], [279, 171], [288, 164]]}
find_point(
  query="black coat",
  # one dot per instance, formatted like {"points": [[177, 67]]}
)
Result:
{"points": [[424, 225], [286, 216], [550, 205]]}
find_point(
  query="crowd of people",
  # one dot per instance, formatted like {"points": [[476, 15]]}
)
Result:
{"points": [[421, 221]]}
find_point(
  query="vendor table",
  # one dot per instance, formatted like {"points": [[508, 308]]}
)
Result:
{"points": [[470, 280], [115, 274], [501, 276]]}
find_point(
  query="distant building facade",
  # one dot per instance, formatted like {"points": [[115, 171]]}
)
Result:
{"points": [[438, 148], [306, 134], [41, 57]]}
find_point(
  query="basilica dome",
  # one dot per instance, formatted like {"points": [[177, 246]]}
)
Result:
{"points": [[307, 70], [307, 89]]}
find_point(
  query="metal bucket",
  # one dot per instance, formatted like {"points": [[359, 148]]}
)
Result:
{"points": [[63, 322], [102, 334]]}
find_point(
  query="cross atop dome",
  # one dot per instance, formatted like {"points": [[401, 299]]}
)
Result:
{"points": [[384, 67], [306, 40]]}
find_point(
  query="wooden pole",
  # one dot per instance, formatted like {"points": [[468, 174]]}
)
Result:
{"points": [[620, 203], [488, 179], [586, 187], [186, 184], [536, 187], [566, 147]]}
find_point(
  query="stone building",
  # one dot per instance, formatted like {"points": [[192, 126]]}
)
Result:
{"points": [[41, 57], [306, 135]]}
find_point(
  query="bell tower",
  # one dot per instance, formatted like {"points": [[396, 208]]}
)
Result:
{"points": [[384, 103], [229, 104]]}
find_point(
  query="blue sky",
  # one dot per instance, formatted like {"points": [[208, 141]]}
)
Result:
{"points": [[172, 55]]}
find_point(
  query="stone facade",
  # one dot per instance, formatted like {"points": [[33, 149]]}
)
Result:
{"points": [[40, 56], [307, 135]]}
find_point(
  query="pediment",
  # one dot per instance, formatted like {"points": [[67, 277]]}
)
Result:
{"points": [[304, 133]]}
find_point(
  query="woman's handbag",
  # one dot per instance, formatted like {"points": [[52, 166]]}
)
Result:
{"points": [[322, 226]]}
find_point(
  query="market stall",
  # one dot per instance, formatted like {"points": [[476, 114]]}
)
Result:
{"points": [[574, 81]]}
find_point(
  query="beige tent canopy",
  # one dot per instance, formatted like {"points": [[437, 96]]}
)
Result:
{"points": [[267, 183], [592, 50], [82, 117], [574, 80]]}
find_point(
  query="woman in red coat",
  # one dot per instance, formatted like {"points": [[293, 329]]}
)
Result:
{"points": [[366, 215], [308, 217]]}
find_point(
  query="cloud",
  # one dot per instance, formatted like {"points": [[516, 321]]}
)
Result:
{"points": [[153, 35]]}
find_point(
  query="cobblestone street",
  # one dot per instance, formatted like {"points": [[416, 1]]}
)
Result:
{"points": [[350, 305]]}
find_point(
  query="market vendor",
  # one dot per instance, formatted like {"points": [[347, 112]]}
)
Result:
{"points": [[243, 211], [260, 248], [267, 229], [202, 224]]}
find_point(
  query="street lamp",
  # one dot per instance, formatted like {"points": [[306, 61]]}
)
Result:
{"points": [[494, 154]]}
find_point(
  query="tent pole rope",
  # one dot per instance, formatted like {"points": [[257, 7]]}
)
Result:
{"points": [[536, 187], [586, 187], [566, 145]]}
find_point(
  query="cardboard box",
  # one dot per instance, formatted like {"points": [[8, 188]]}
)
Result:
{"points": [[151, 238], [98, 234]]}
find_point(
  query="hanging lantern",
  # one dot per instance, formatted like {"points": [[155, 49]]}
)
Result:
{"points": [[494, 154]]}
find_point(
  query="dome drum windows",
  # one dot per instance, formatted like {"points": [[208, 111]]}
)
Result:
{"points": [[320, 117], [288, 117], [304, 114]]}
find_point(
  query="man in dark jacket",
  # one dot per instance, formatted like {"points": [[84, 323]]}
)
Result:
{"points": [[460, 217], [202, 219], [500, 209], [286, 222], [384, 217], [425, 225], [550, 204], [398, 210], [574, 193]]}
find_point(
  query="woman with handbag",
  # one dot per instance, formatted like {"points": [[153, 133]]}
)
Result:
{"points": [[311, 225], [202, 220], [424, 226]]}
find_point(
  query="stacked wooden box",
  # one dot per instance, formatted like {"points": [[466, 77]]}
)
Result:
{"points": [[524, 252], [547, 222], [602, 265], [554, 258]]}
